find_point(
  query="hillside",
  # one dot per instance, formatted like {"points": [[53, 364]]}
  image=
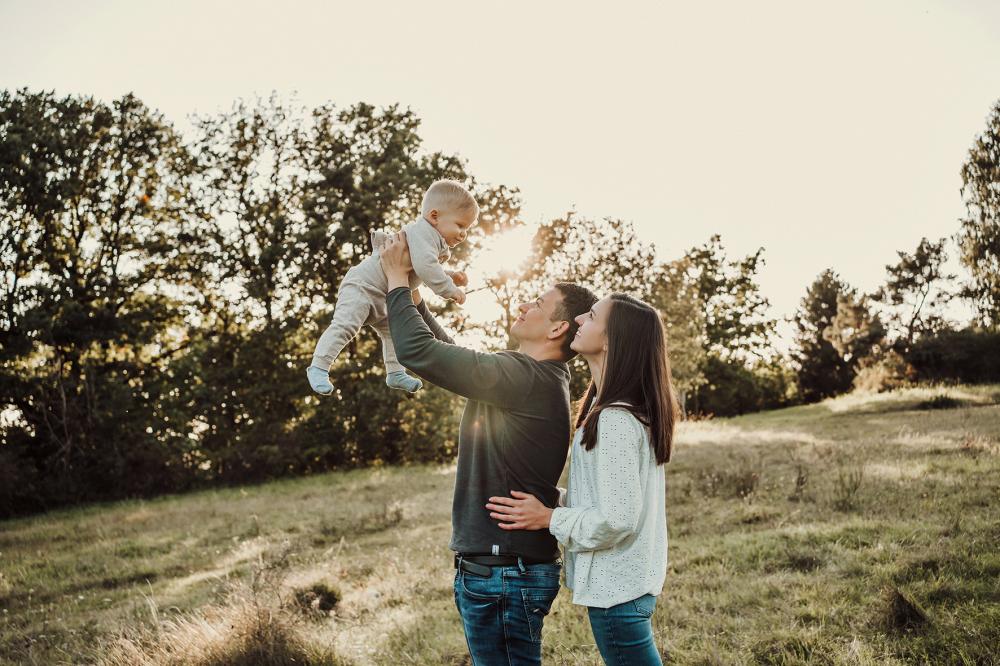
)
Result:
{"points": [[861, 530]]}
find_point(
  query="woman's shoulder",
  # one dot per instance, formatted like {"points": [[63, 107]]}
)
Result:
{"points": [[617, 417]]}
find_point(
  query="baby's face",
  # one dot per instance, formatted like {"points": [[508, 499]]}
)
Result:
{"points": [[453, 225]]}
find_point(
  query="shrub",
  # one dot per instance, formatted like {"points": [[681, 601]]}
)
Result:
{"points": [[969, 355]]}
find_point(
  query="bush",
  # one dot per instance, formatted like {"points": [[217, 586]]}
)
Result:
{"points": [[940, 402], [732, 388], [886, 373], [970, 355]]}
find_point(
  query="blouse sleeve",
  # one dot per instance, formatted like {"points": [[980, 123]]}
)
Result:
{"points": [[615, 516]]}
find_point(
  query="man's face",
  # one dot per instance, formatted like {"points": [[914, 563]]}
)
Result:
{"points": [[534, 321], [453, 225]]}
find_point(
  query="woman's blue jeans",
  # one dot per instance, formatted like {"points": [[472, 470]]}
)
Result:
{"points": [[624, 633]]}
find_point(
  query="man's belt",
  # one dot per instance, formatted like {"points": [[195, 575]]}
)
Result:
{"points": [[480, 565]]}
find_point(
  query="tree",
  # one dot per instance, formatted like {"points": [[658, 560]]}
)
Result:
{"points": [[161, 299], [736, 335], [366, 171], [915, 291], [95, 250], [735, 321], [855, 332], [822, 370], [979, 236], [291, 198], [676, 296]]}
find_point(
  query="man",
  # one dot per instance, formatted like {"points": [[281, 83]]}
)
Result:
{"points": [[514, 435]]}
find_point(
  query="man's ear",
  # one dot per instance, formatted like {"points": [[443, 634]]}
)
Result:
{"points": [[558, 329]]}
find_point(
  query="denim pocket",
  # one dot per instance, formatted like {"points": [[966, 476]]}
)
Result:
{"points": [[546, 570], [537, 602], [645, 605], [478, 587]]}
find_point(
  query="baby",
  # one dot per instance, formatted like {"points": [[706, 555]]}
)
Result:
{"points": [[448, 211]]}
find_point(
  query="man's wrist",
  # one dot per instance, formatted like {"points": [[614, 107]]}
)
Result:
{"points": [[396, 281]]}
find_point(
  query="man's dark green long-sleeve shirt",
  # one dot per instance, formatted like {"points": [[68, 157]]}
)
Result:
{"points": [[514, 434]]}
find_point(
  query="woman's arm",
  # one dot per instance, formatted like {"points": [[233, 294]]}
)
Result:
{"points": [[618, 502]]}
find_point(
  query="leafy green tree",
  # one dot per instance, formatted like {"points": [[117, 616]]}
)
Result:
{"points": [[292, 198], [161, 299], [676, 296], [822, 370], [95, 250], [368, 170], [736, 325], [252, 171], [737, 388], [979, 236], [737, 332], [915, 290], [855, 332]]}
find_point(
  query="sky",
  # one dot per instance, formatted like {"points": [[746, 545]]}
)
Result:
{"points": [[830, 134]]}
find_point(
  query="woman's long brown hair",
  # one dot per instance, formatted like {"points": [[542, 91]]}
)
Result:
{"points": [[636, 371]]}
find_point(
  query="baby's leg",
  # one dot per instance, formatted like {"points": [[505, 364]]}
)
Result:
{"points": [[395, 374], [349, 315]]}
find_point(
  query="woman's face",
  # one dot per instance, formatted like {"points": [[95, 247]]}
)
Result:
{"points": [[591, 338]]}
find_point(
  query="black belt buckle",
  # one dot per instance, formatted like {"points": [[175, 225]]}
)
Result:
{"points": [[473, 568]]}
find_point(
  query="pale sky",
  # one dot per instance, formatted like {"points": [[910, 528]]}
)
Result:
{"points": [[832, 134]]}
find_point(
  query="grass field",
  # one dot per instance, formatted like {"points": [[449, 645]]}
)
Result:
{"points": [[861, 530]]}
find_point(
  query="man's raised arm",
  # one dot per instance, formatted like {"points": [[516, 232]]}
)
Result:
{"points": [[496, 378], [436, 329]]}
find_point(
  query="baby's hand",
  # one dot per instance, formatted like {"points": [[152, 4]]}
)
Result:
{"points": [[460, 297], [459, 278]]}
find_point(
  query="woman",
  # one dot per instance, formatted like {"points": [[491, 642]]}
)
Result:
{"points": [[614, 526]]}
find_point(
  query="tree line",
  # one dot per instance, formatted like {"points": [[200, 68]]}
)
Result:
{"points": [[162, 294]]}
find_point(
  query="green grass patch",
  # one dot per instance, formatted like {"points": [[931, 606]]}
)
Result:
{"points": [[861, 530]]}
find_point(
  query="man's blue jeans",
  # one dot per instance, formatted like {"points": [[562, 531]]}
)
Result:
{"points": [[502, 615], [624, 633]]}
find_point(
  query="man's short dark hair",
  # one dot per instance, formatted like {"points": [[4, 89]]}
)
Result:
{"points": [[575, 301]]}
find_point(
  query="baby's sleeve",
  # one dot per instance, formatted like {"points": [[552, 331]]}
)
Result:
{"points": [[424, 255]]}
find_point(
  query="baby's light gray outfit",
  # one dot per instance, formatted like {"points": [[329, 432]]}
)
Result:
{"points": [[361, 296]]}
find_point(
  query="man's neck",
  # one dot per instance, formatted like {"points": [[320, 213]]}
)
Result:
{"points": [[540, 352]]}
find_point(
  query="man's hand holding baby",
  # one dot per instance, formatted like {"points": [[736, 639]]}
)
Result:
{"points": [[396, 263]]}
